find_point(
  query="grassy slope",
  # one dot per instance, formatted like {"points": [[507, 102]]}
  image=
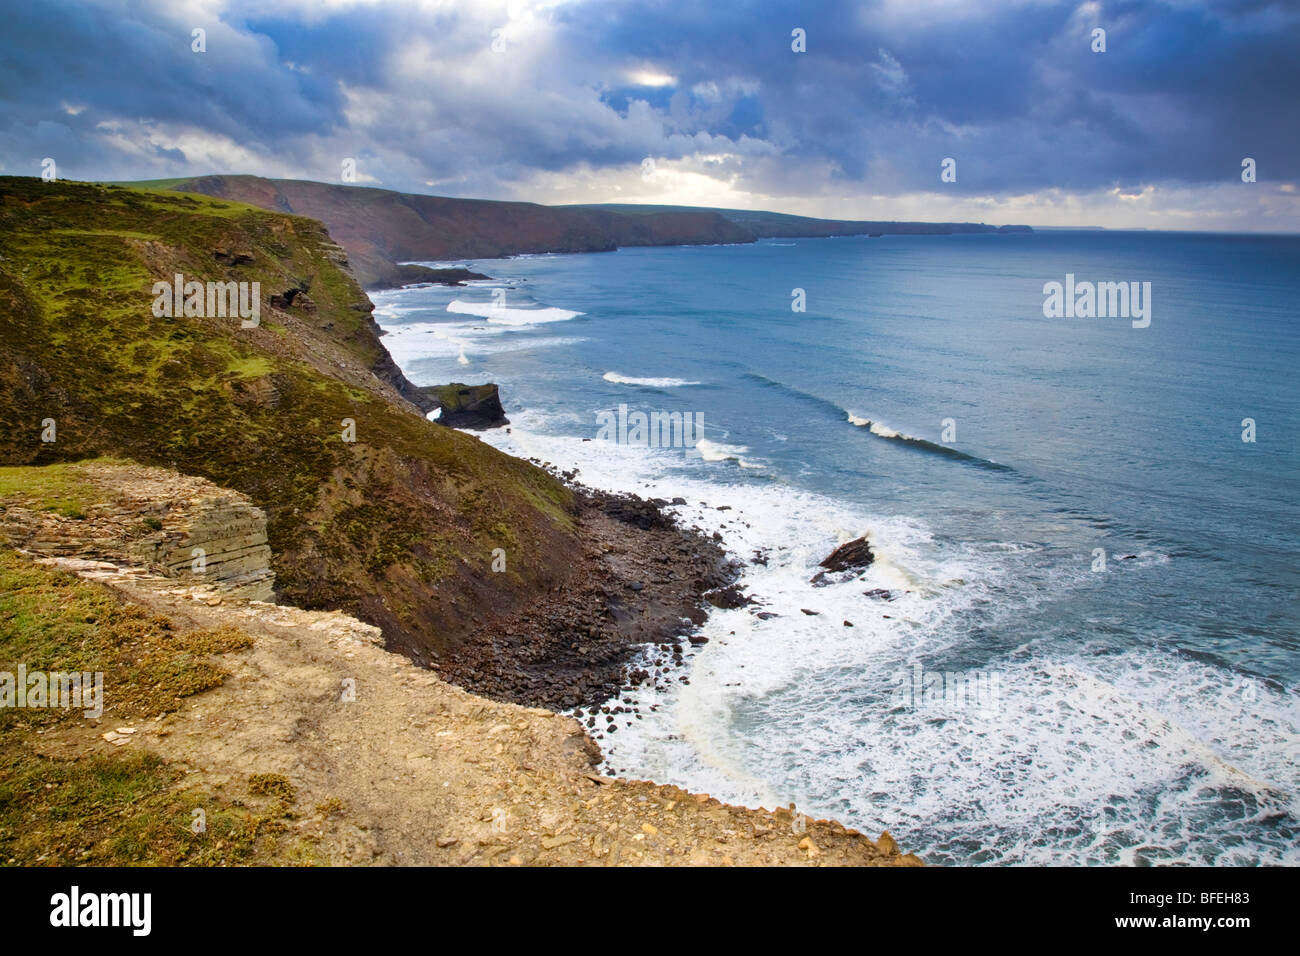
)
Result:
{"points": [[397, 528]]}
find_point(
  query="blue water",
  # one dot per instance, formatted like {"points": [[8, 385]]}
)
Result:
{"points": [[1091, 530]]}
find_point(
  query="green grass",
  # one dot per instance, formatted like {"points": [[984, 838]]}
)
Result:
{"points": [[52, 621], [125, 807], [119, 233], [56, 487], [257, 410], [249, 366], [149, 183]]}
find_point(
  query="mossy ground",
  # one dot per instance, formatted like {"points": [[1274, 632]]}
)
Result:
{"points": [[124, 807], [51, 488]]}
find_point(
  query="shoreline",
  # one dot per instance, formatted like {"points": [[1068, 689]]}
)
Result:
{"points": [[642, 580], [465, 780], [410, 278]]}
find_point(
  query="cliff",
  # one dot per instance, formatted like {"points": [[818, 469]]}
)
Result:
{"points": [[380, 228], [271, 720], [369, 507], [520, 587]]}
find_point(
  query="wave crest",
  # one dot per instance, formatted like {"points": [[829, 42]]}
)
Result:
{"points": [[717, 451], [507, 315], [891, 434], [647, 382]]}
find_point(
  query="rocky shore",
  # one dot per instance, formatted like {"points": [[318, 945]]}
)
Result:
{"points": [[369, 759], [642, 579]]}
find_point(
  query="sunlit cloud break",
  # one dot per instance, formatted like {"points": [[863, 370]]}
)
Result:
{"points": [[827, 109]]}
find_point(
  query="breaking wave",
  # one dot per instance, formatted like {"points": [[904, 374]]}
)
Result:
{"points": [[647, 382]]}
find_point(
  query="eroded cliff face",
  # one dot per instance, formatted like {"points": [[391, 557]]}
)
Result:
{"points": [[369, 507], [149, 518]]}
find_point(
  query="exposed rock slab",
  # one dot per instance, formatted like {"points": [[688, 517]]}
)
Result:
{"points": [[179, 526]]}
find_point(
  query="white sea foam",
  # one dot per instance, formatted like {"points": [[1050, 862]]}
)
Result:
{"points": [[439, 264], [1119, 758], [648, 382], [717, 451], [510, 315], [876, 428], [451, 341]]}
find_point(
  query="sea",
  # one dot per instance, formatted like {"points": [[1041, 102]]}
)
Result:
{"points": [[1079, 641]]}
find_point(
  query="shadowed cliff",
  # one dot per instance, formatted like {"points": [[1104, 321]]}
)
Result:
{"points": [[380, 228]]}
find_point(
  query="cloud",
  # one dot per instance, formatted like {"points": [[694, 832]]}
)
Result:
{"points": [[568, 98]]}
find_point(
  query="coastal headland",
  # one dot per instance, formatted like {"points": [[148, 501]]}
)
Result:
{"points": [[392, 612]]}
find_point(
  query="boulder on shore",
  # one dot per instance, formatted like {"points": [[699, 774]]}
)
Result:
{"points": [[850, 555]]}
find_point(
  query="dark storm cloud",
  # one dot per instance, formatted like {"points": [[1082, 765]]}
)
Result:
{"points": [[1011, 90], [68, 67], [1014, 92]]}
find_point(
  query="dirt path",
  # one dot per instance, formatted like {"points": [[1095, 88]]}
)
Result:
{"points": [[412, 770]]}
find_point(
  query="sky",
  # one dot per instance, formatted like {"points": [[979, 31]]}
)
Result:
{"points": [[674, 101]]}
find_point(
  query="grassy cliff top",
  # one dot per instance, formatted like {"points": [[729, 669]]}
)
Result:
{"points": [[126, 807], [396, 526]]}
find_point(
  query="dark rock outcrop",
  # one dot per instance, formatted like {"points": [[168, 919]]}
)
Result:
{"points": [[849, 556], [632, 510], [294, 295], [467, 406], [729, 597], [230, 258], [409, 273]]}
